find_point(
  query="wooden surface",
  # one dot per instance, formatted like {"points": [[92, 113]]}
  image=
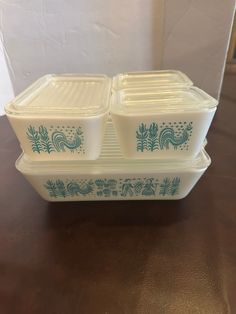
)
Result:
{"points": [[122, 257]]}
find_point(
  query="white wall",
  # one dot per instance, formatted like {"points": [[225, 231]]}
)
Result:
{"points": [[101, 36], [80, 36], [196, 39]]}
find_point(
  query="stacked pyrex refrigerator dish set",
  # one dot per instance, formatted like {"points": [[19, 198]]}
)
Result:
{"points": [[140, 135]]}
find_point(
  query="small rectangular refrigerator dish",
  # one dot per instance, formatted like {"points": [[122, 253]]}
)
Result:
{"points": [[62, 117], [169, 124], [112, 177], [154, 79]]}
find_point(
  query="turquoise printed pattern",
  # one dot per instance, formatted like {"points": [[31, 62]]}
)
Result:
{"points": [[128, 187], [163, 136], [168, 187], [56, 139], [45, 141], [106, 187]]}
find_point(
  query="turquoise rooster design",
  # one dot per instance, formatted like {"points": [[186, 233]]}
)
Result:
{"points": [[60, 141], [159, 137], [167, 136], [55, 139], [74, 188], [110, 187]]}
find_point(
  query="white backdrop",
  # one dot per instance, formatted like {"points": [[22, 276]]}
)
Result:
{"points": [[101, 36]]}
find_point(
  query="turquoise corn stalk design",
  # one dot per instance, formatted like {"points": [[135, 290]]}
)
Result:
{"points": [[175, 186], [142, 135], [45, 141], [51, 187], [34, 138], [127, 187], [169, 187], [153, 138], [159, 137], [165, 187]]}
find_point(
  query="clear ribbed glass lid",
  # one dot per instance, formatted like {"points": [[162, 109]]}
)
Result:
{"points": [[148, 101], [87, 95], [158, 79]]}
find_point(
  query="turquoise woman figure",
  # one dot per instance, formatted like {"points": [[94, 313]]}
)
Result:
{"points": [[149, 188], [127, 188]]}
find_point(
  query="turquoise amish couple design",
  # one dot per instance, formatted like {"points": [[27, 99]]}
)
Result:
{"points": [[56, 139], [164, 136], [128, 187]]}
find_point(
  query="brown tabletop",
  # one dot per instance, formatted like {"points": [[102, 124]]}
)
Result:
{"points": [[122, 257]]}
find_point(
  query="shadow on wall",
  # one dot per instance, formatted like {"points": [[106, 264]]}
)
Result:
{"points": [[82, 37]]}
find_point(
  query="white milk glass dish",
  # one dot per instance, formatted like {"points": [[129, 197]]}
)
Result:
{"points": [[112, 177], [169, 124], [62, 117]]}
